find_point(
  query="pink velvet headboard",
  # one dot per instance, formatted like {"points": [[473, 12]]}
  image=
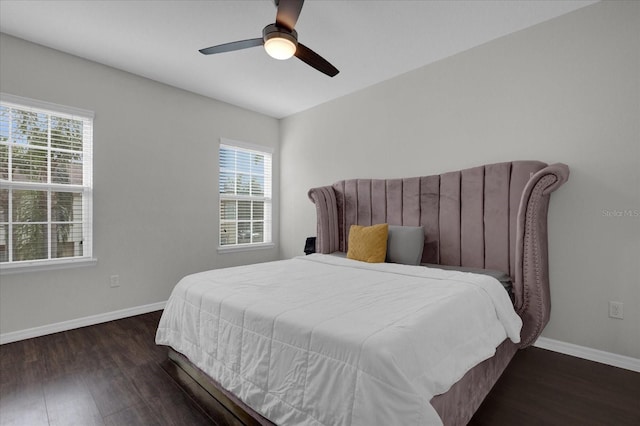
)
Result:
{"points": [[493, 216]]}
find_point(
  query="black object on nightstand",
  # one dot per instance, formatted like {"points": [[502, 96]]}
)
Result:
{"points": [[310, 245]]}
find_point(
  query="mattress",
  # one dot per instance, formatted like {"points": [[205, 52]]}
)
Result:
{"points": [[321, 340], [502, 277]]}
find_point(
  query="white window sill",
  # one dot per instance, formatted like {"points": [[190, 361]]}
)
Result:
{"points": [[244, 247], [45, 265]]}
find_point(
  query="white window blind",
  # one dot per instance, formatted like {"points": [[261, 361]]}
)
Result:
{"points": [[46, 182], [245, 195]]}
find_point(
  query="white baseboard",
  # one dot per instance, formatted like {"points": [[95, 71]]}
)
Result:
{"points": [[14, 336], [621, 361]]}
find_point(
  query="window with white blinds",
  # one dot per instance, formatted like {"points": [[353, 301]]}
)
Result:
{"points": [[46, 183], [245, 194]]}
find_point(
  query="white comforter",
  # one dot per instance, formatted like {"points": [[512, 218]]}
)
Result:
{"points": [[321, 340]]}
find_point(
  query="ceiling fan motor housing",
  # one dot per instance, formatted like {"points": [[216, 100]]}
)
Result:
{"points": [[279, 42], [272, 30]]}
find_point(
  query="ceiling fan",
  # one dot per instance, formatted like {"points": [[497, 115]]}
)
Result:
{"points": [[280, 40]]}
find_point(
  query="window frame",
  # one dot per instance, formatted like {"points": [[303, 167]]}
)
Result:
{"points": [[267, 199], [86, 189]]}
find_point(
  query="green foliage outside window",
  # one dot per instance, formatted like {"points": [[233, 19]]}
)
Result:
{"points": [[40, 148]]}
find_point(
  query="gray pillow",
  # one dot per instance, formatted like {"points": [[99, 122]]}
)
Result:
{"points": [[405, 244]]}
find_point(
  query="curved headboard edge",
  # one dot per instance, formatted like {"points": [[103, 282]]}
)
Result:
{"points": [[531, 283], [327, 219]]}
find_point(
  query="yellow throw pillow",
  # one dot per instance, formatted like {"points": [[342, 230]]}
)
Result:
{"points": [[368, 243]]}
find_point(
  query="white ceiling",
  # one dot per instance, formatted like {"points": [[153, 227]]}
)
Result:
{"points": [[368, 41]]}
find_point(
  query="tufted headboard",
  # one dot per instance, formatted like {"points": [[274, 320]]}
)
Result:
{"points": [[493, 217]]}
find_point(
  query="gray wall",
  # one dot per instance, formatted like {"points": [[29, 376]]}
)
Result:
{"points": [[567, 90], [155, 193]]}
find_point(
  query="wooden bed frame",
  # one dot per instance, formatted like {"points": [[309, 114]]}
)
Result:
{"points": [[493, 216]]}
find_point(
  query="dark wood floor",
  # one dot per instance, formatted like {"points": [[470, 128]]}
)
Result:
{"points": [[112, 374]]}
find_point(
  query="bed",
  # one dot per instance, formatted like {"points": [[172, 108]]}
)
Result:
{"points": [[323, 339]]}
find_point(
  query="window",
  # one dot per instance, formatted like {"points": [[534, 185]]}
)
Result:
{"points": [[245, 195], [46, 183]]}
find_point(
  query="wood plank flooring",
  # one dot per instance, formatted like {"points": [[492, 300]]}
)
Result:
{"points": [[541, 387], [107, 374], [112, 374]]}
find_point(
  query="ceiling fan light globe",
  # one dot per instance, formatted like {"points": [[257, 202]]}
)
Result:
{"points": [[280, 48]]}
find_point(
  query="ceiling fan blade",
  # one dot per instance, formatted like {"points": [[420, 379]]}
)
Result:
{"points": [[234, 45], [288, 13], [316, 61]]}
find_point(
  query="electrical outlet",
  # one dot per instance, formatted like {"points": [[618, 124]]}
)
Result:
{"points": [[615, 310], [114, 281]]}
